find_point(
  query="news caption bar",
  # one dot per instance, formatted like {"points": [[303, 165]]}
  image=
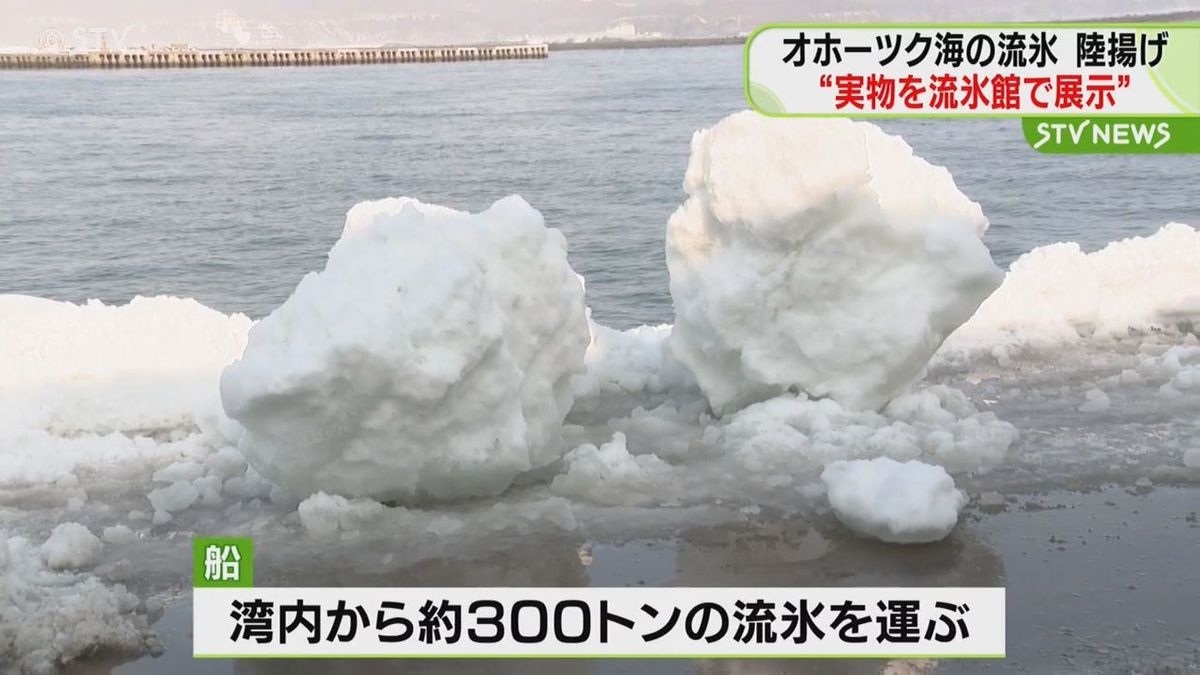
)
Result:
{"points": [[1078, 88], [599, 622]]}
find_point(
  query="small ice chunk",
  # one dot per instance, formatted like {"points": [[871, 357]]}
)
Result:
{"points": [[118, 534], [206, 483], [209, 488], [120, 570], [281, 497], [1130, 378], [226, 462], [162, 518], [610, 475], [1191, 458], [323, 514], [443, 526], [175, 497], [991, 499], [186, 471], [249, 485], [900, 503], [1096, 400], [71, 546]]}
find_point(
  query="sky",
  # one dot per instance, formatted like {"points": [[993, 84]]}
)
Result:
{"points": [[32, 24]]}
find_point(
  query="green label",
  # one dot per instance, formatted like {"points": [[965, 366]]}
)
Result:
{"points": [[222, 562], [1112, 135]]}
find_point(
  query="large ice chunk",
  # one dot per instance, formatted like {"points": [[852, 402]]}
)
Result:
{"points": [[818, 255], [897, 502], [432, 357]]}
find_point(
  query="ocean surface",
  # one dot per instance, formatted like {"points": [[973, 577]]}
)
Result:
{"points": [[229, 185]]}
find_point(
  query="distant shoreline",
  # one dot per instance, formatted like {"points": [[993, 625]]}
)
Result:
{"points": [[646, 43], [347, 53], [662, 43]]}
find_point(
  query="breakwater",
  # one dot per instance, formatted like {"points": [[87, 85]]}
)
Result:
{"points": [[236, 58]]}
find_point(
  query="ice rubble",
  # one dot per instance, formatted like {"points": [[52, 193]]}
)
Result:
{"points": [[897, 502], [49, 617], [1057, 294], [936, 424], [611, 475], [634, 361], [820, 256], [37, 457], [1179, 363], [432, 357]]}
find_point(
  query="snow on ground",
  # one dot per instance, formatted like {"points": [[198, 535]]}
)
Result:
{"points": [[431, 358], [897, 502], [819, 256]]}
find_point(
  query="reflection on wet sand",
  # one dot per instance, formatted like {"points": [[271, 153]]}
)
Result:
{"points": [[799, 553]]}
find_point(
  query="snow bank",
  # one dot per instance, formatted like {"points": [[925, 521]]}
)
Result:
{"points": [[900, 503], [49, 617], [819, 255], [150, 364], [432, 357], [1057, 294]]}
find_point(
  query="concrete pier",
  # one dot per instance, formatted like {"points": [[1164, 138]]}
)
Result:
{"points": [[237, 58]]}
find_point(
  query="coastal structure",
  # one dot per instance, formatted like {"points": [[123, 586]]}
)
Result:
{"points": [[186, 57]]}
